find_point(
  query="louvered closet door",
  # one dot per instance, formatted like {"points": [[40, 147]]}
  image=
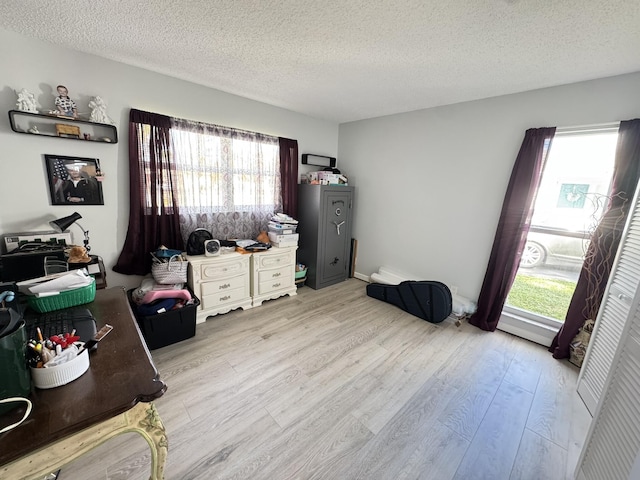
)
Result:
{"points": [[613, 442], [617, 302]]}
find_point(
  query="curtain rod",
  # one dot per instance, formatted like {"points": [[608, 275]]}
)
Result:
{"points": [[599, 127]]}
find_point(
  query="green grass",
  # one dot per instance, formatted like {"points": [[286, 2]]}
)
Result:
{"points": [[545, 296]]}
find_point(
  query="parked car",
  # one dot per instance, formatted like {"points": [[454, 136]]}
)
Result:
{"points": [[558, 247]]}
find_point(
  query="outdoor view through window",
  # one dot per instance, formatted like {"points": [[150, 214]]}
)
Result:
{"points": [[571, 198]]}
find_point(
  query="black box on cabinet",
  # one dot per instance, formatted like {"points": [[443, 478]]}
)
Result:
{"points": [[162, 329]]}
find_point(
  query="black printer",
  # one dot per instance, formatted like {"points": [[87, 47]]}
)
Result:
{"points": [[27, 261]]}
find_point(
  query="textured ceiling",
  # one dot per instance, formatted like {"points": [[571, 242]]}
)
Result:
{"points": [[346, 60]]}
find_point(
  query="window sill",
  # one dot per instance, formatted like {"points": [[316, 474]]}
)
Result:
{"points": [[523, 324]]}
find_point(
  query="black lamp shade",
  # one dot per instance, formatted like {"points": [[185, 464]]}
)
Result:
{"points": [[63, 223]]}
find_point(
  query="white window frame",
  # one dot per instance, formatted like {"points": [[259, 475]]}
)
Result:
{"points": [[528, 325]]}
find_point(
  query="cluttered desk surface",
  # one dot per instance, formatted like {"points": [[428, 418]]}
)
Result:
{"points": [[120, 375]]}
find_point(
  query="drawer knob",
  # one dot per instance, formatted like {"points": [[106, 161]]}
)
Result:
{"points": [[276, 285], [276, 274], [226, 285], [225, 298]]}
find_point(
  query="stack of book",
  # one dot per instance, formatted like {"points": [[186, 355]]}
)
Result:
{"points": [[282, 231]]}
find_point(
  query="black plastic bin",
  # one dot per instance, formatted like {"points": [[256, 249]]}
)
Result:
{"points": [[164, 329]]}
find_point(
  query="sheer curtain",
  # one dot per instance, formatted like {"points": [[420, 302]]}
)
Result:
{"points": [[153, 210], [228, 180], [186, 175], [513, 226]]}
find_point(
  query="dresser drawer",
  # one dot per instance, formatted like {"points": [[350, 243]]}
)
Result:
{"points": [[217, 286], [281, 273], [221, 270], [216, 299], [271, 285], [274, 260]]}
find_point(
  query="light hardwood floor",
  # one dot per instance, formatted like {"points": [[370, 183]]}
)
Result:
{"points": [[332, 384]]}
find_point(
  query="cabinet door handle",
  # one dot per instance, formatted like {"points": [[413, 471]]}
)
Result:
{"points": [[338, 225]]}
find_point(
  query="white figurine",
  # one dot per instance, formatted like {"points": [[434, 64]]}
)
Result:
{"points": [[26, 101], [99, 111]]}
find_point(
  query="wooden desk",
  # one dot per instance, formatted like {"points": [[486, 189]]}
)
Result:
{"points": [[68, 421]]}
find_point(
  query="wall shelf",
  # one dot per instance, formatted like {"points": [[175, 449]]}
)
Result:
{"points": [[71, 128]]}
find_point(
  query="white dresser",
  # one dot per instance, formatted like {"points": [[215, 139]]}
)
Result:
{"points": [[235, 280], [273, 274], [221, 283]]}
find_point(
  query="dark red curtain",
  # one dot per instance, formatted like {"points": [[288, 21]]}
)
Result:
{"points": [[289, 176], [604, 242], [513, 227], [153, 211]]}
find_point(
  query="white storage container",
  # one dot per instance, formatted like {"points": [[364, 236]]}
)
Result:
{"points": [[290, 238], [62, 374]]}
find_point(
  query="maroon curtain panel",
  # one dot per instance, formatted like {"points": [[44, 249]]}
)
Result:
{"points": [[151, 223], [513, 227], [605, 240], [289, 176]]}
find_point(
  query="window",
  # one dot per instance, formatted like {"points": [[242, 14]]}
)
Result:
{"points": [[223, 179], [221, 174], [571, 198], [185, 175]]}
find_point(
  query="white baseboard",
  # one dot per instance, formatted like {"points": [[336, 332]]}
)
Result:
{"points": [[362, 277]]}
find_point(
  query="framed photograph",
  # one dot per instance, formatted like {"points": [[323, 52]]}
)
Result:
{"points": [[72, 180]]}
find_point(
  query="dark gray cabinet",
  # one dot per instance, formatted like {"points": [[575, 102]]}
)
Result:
{"points": [[325, 215]]}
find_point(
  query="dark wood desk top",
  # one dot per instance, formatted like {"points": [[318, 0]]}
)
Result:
{"points": [[121, 374]]}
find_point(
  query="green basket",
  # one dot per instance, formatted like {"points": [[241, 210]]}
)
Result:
{"points": [[70, 298]]}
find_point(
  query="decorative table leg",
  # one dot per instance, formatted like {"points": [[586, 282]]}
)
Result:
{"points": [[142, 418], [146, 421]]}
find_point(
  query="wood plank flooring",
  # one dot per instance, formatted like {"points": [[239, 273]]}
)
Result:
{"points": [[332, 384]]}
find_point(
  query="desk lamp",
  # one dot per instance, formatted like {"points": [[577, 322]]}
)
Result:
{"points": [[63, 223]]}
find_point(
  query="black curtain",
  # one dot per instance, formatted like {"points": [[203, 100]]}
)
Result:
{"points": [[289, 176], [153, 211], [605, 240], [513, 226]]}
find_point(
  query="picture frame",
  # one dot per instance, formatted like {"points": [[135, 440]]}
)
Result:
{"points": [[67, 131], [73, 180]]}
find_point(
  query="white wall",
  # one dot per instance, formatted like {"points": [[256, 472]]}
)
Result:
{"points": [[39, 67], [430, 183]]}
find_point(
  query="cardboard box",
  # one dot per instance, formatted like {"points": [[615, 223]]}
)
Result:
{"points": [[330, 178]]}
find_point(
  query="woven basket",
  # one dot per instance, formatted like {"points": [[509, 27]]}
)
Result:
{"points": [[70, 298], [168, 273]]}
